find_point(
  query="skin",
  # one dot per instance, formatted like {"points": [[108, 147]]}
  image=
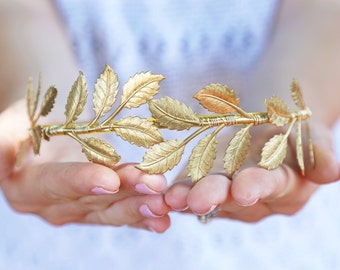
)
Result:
{"points": [[254, 192], [61, 191], [312, 57], [53, 186]]}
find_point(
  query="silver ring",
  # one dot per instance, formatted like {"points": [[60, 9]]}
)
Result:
{"points": [[208, 217]]}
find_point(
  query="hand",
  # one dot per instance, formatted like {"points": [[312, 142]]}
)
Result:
{"points": [[64, 192], [255, 193]]}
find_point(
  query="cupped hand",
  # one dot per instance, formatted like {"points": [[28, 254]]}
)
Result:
{"points": [[62, 192], [254, 192]]}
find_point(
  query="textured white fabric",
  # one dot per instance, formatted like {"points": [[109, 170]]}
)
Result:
{"points": [[308, 240], [191, 43], [170, 35]]}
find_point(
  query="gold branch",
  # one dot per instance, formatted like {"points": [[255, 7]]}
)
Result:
{"points": [[167, 113]]}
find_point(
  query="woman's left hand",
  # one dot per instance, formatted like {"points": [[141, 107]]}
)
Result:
{"points": [[254, 192]]}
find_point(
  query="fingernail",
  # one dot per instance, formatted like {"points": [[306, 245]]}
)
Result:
{"points": [[146, 212], [144, 189], [251, 203], [180, 209], [212, 208], [102, 191]]}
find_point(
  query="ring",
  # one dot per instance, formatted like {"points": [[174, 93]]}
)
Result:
{"points": [[208, 217]]}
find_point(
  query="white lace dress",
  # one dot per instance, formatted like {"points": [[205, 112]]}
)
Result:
{"points": [[192, 43]]}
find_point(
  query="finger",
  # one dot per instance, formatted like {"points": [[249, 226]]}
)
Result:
{"points": [[56, 182], [135, 211], [326, 168], [206, 199], [136, 181], [283, 189], [158, 225], [176, 195], [208, 193], [252, 213]]}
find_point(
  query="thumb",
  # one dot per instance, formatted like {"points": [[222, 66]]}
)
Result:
{"points": [[13, 130]]}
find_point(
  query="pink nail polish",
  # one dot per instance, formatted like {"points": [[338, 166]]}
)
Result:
{"points": [[146, 212], [180, 209], [251, 203], [144, 189], [102, 191], [212, 208]]}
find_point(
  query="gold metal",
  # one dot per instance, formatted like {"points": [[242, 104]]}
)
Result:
{"points": [[167, 113]]}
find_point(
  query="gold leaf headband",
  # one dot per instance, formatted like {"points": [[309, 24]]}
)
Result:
{"points": [[167, 113]]}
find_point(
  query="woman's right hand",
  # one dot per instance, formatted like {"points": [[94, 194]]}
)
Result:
{"points": [[62, 192]]}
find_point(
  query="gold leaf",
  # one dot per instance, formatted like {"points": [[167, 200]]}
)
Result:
{"points": [[299, 148], [217, 98], [278, 111], [297, 94], [36, 134], [105, 92], [202, 158], [162, 157], [99, 152], [140, 88], [49, 100], [32, 99], [173, 114], [310, 147], [274, 152], [311, 152], [237, 151], [76, 99], [138, 131]]}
